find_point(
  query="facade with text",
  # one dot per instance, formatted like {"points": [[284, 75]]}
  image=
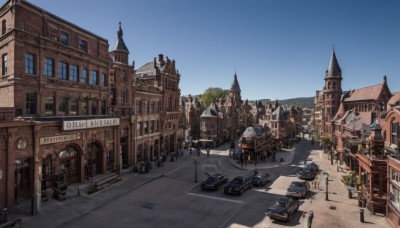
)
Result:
{"points": [[72, 107]]}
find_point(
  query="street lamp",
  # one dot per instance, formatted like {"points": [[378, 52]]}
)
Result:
{"points": [[195, 170], [326, 175]]}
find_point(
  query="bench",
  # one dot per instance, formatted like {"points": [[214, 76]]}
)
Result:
{"points": [[102, 183]]}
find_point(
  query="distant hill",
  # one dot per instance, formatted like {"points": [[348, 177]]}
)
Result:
{"points": [[302, 102]]}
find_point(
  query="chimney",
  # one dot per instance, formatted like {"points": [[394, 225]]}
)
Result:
{"points": [[160, 58]]}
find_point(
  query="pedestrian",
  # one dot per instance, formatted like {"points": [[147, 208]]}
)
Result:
{"points": [[208, 152], [310, 218]]}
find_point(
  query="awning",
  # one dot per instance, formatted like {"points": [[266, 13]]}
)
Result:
{"points": [[206, 140]]}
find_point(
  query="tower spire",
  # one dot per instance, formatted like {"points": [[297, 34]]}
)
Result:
{"points": [[334, 69]]}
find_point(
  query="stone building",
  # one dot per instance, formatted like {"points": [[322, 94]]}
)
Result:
{"points": [[192, 110], [71, 107], [163, 75]]}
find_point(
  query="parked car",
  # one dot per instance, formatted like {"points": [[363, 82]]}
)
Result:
{"points": [[214, 181], [307, 174], [238, 185], [261, 179], [311, 165], [283, 208], [298, 189]]}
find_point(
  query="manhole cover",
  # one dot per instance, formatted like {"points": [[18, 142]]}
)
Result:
{"points": [[148, 205], [332, 207]]}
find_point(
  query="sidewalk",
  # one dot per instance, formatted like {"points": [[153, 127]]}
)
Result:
{"points": [[339, 210]]}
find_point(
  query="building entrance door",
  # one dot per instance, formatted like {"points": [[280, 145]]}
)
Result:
{"points": [[93, 160]]}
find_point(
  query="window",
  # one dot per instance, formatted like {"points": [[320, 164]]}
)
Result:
{"points": [[74, 108], [123, 97], [30, 103], [138, 107], [64, 38], [48, 67], [83, 45], [73, 73], [125, 77], [145, 109], [156, 126], [30, 63], [393, 129], [94, 108], [49, 105], [85, 107], [4, 64], [152, 107], [103, 80], [151, 126], [62, 107], [62, 70], [3, 27], [138, 129], [84, 78], [93, 77], [103, 107], [146, 129]]}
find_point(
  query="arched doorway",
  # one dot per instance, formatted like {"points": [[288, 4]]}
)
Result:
{"points": [[69, 164], [93, 160]]}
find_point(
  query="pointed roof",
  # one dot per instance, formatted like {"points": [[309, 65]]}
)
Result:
{"points": [[120, 44], [235, 83], [333, 68], [210, 112]]}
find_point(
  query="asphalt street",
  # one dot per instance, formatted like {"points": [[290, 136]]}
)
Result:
{"points": [[169, 197]]}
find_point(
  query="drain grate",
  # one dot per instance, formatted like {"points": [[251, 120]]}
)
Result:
{"points": [[148, 205]]}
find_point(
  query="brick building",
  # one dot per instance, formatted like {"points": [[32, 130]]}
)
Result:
{"points": [[71, 107]]}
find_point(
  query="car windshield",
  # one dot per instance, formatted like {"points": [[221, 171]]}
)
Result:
{"points": [[256, 177], [280, 204], [296, 184], [212, 179], [237, 181]]}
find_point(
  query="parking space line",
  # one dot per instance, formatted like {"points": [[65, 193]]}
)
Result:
{"points": [[216, 198]]}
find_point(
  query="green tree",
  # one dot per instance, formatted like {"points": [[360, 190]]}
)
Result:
{"points": [[325, 140], [213, 94]]}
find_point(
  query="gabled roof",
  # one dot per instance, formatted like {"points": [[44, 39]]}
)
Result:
{"points": [[210, 112], [357, 121], [255, 131], [278, 114], [366, 93], [120, 44]]}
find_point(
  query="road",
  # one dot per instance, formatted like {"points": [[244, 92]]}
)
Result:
{"points": [[171, 198]]}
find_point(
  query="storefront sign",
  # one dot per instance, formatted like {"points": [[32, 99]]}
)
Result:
{"points": [[59, 138], [93, 123]]}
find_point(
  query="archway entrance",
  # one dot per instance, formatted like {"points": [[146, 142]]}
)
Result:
{"points": [[93, 160], [69, 164]]}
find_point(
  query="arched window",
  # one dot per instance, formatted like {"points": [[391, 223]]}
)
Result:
{"points": [[393, 131]]}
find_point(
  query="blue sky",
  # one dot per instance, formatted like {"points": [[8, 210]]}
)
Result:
{"points": [[279, 49]]}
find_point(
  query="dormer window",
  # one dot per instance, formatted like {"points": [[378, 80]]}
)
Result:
{"points": [[64, 38], [83, 45]]}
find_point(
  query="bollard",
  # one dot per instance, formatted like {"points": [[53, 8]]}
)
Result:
{"points": [[5, 211], [362, 215], [350, 194]]}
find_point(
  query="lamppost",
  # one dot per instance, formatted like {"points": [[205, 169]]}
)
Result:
{"points": [[326, 175], [195, 170]]}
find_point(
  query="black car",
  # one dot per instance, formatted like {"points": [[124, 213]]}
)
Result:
{"points": [[298, 189], [238, 185], [283, 208], [261, 179], [307, 174], [311, 165], [214, 181]]}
